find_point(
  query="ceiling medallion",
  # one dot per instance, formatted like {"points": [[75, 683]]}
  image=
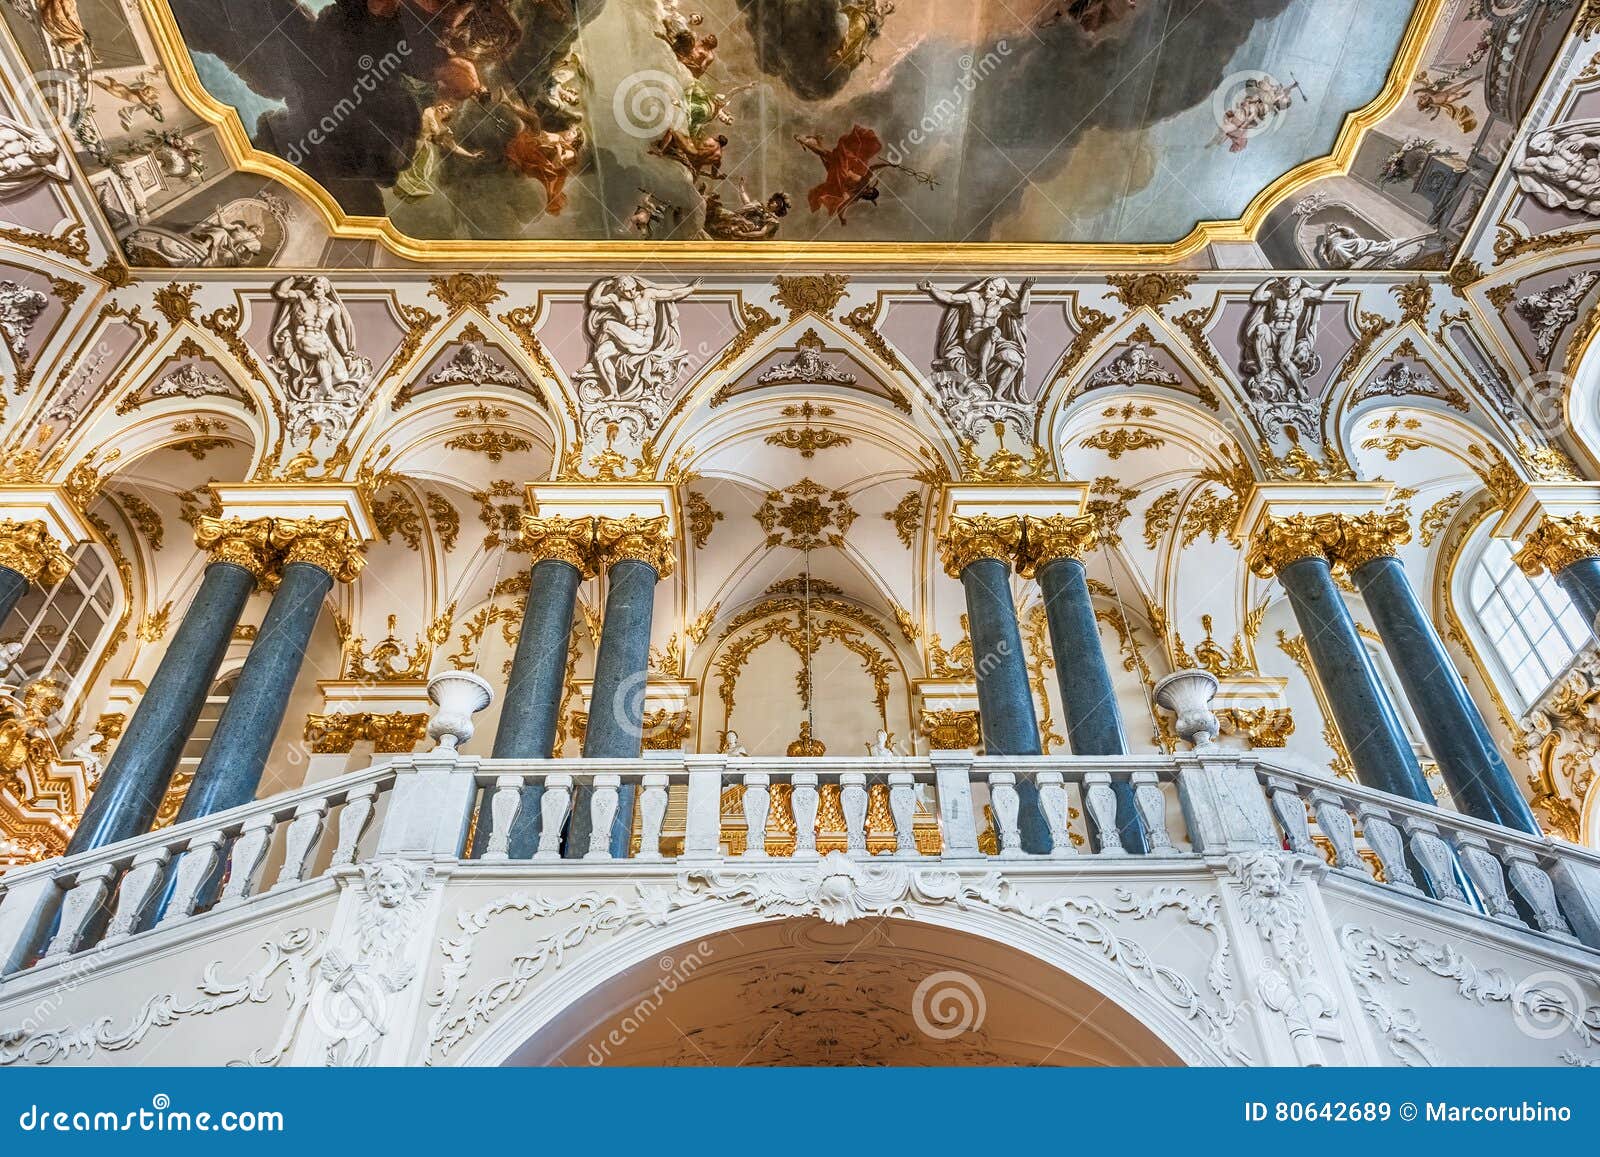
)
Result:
{"points": [[805, 516]]}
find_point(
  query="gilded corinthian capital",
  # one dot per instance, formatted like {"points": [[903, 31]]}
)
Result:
{"points": [[644, 540], [1059, 536], [1286, 540], [569, 540], [240, 541], [1558, 543], [325, 543], [28, 549], [971, 538], [1364, 537]]}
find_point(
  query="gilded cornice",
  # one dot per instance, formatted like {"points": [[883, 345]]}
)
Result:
{"points": [[979, 536], [1286, 540], [1558, 543], [28, 549], [644, 540], [242, 542], [396, 733], [1376, 534], [325, 543], [1044, 540], [568, 540]]}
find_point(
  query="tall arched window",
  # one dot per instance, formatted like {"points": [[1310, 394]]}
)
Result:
{"points": [[58, 629], [1527, 629]]}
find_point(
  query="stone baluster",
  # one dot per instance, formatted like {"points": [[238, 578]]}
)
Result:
{"points": [[1458, 738], [507, 798], [137, 775], [354, 819], [300, 841], [1052, 553], [958, 823], [249, 850], [316, 553], [1100, 801], [1152, 803], [28, 554], [805, 802], [1333, 818], [193, 869], [1296, 549], [702, 826], [562, 554], [1005, 800], [133, 896], [980, 550], [1533, 884], [1488, 877], [602, 813], [853, 799], [1568, 546], [903, 808], [652, 810], [1291, 812], [1053, 803], [635, 553], [77, 909], [553, 808], [757, 805], [1384, 838], [1438, 865]]}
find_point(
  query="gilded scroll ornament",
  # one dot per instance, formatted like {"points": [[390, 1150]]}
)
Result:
{"points": [[28, 549], [1558, 543], [1288, 540], [977, 537], [325, 543], [1376, 534]]}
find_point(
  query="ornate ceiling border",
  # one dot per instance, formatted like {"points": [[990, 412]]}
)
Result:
{"points": [[243, 156]]}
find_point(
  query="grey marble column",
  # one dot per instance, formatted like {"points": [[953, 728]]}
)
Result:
{"points": [[1581, 580], [532, 705], [979, 551], [638, 554], [1088, 700], [12, 587], [1568, 546], [137, 776], [1479, 780], [1365, 717]]}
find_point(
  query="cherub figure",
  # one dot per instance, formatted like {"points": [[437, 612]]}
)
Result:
{"points": [[695, 53], [702, 156], [852, 174], [138, 96], [649, 215], [752, 221]]}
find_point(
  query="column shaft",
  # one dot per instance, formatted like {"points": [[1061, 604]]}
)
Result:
{"points": [[1362, 711], [532, 704], [1581, 580], [1088, 700], [231, 768], [140, 769], [616, 706], [1457, 735], [12, 587]]}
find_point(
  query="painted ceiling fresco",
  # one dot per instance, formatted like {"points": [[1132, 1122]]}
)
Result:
{"points": [[939, 120]]}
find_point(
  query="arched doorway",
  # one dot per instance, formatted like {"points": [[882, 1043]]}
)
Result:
{"points": [[874, 992]]}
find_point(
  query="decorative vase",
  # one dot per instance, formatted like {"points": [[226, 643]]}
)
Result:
{"points": [[459, 695], [1188, 694]]}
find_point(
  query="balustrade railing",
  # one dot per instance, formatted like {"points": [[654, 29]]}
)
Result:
{"points": [[697, 809], [1418, 850]]}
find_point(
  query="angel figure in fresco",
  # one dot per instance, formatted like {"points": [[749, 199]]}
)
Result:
{"points": [[852, 174], [752, 220], [696, 53], [702, 156], [550, 157], [1263, 99], [435, 141], [703, 106], [635, 344], [1279, 338], [863, 23], [649, 215], [1445, 96], [62, 23], [137, 96], [983, 335]]}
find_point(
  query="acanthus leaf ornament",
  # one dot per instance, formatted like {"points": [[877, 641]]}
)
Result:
{"points": [[325, 543], [979, 536], [1558, 543], [28, 548], [1375, 534], [1044, 540], [1287, 540], [314, 354], [643, 540], [569, 540]]}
